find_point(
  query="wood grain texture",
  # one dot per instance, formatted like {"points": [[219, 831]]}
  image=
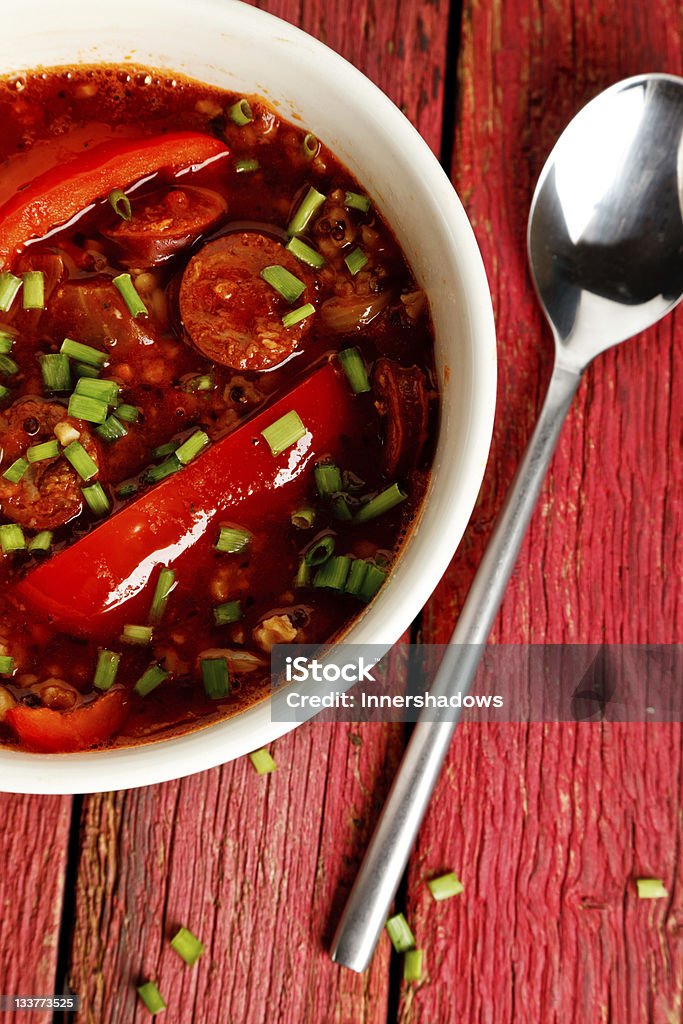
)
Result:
{"points": [[549, 825]]}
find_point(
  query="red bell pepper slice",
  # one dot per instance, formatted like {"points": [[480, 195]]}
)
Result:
{"points": [[102, 581], [58, 194], [52, 732]]}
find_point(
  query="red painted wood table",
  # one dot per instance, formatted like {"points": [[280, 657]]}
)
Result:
{"points": [[547, 825]]}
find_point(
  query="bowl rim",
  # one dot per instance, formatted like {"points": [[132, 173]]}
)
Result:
{"points": [[203, 748]]}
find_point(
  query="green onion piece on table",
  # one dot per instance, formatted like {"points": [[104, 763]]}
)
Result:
{"points": [[151, 997], [15, 472], [295, 316], [381, 503], [305, 212], [262, 761], [112, 429], [133, 634], [332, 573], [44, 450], [445, 886], [285, 432], [303, 518], [232, 539], [76, 454], [400, 934], [215, 677], [187, 946], [651, 889], [304, 253], [228, 612], [41, 542], [97, 500], [191, 448], [6, 665], [356, 201], [83, 353], [12, 538], [320, 551], [412, 965], [124, 285], [354, 368], [103, 390], [328, 479], [9, 286], [120, 203], [33, 294], [165, 585], [150, 679], [107, 667], [246, 165], [355, 261], [240, 113], [56, 372], [284, 283]]}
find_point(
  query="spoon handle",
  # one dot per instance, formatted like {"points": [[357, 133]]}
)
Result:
{"points": [[370, 900]]}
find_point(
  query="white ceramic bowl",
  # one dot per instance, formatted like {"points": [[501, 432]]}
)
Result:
{"points": [[238, 47]]}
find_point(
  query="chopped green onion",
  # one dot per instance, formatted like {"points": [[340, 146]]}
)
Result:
{"points": [[215, 677], [107, 667], [400, 934], [240, 113], [9, 286], [15, 472], [355, 261], [354, 368], [164, 449], [125, 490], [202, 382], [6, 665], [232, 539], [151, 997], [167, 468], [56, 372], [328, 479], [112, 429], [33, 295], [41, 542], [229, 611], [303, 518], [120, 203], [332, 573], [7, 366], [136, 634], [651, 889], [355, 201], [381, 503], [285, 432], [124, 284], [6, 343], [4, 392], [310, 145], [83, 370], [320, 550], [97, 500], [83, 353], [341, 509], [149, 680], [412, 965], [187, 946], [445, 886], [191, 448], [304, 253], [372, 581], [44, 450], [84, 465], [12, 538], [354, 581], [128, 413], [90, 409], [307, 208], [164, 586], [303, 574], [284, 283], [246, 166], [295, 316], [103, 390], [262, 761]]}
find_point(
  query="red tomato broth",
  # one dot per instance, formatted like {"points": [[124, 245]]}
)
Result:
{"points": [[152, 358]]}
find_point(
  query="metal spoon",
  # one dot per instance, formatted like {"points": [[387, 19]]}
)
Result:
{"points": [[605, 244]]}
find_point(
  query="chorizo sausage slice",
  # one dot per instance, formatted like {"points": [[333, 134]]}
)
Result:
{"points": [[230, 313], [165, 222], [49, 493], [403, 400]]}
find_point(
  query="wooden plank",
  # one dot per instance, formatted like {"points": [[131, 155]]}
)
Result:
{"points": [[548, 825]]}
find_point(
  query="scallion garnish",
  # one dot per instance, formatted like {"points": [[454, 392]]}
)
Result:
{"points": [[285, 432], [240, 113], [15, 472], [9, 286], [303, 518], [166, 468], [356, 201], [354, 581], [128, 413], [328, 479], [6, 665], [310, 145], [355, 261], [320, 550], [202, 382], [246, 165], [354, 368], [303, 574], [215, 677], [651, 889], [33, 294], [41, 542], [295, 316], [162, 450], [445, 886], [107, 667], [136, 634], [84, 465], [127, 489], [284, 283], [112, 429], [90, 409], [228, 612], [97, 500], [12, 538], [412, 965], [372, 581], [304, 253], [187, 946], [103, 390], [165, 585], [151, 997], [7, 366], [83, 370], [124, 284], [232, 539], [4, 392], [191, 448], [120, 203], [6, 343], [381, 503], [56, 372], [262, 761], [44, 450], [306, 210], [398, 929], [341, 508], [332, 573], [83, 353]]}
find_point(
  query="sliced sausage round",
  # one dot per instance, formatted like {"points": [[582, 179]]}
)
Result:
{"points": [[166, 222], [230, 313], [49, 493]]}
